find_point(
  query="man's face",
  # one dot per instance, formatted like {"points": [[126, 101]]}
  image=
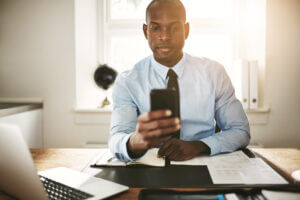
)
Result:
{"points": [[166, 32]]}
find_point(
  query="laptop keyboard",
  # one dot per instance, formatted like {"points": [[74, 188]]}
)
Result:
{"points": [[58, 191]]}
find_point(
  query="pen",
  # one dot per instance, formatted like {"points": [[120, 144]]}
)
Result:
{"points": [[167, 161], [110, 159]]}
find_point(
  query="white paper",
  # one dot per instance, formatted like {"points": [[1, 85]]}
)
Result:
{"points": [[229, 158], [108, 159], [236, 168], [150, 158], [227, 174], [261, 173], [195, 161], [253, 171], [278, 195]]}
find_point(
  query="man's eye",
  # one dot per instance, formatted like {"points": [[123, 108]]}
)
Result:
{"points": [[175, 28], [154, 28]]}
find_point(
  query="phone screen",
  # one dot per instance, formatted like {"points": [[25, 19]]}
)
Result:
{"points": [[164, 99]]}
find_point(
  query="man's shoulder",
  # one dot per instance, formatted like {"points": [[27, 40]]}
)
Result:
{"points": [[204, 63]]}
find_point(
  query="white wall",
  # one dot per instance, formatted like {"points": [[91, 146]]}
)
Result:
{"points": [[282, 89], [37, 59], [86, 37]]}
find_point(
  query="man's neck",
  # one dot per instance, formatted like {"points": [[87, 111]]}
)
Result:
{"points": [[170, 64]]}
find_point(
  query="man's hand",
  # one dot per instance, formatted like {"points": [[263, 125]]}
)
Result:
{"points": [[153, 128], [180, 150]]}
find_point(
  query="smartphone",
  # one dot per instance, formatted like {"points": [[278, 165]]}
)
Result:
{"points": [[164, 99]]}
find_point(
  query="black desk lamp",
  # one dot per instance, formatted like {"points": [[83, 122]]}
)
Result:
{"points": [[104, 77]]}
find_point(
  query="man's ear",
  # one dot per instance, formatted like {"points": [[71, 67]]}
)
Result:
{"points": [[187, 30], [145, 27]]}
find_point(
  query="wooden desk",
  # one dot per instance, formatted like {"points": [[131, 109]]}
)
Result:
{"points": [[285, 160]]}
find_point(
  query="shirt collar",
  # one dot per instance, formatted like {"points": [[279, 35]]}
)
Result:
{"points": [[162, 70]]}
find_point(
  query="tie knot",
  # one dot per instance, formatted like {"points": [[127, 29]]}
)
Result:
{"points": [[172, 74]]}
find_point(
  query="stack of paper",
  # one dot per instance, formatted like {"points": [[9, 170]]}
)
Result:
{"points": [[228, 158], [237, 168]]}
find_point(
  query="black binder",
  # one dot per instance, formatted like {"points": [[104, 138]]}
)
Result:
{"points": [[173, 176], [158, 177]]}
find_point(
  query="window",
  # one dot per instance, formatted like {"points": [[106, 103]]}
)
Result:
{"points": [[223, 30], [212, 31]]}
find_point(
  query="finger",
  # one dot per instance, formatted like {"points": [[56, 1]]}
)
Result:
{"points": [[165, 146], [159, 133], [157, 141], [152, 115], [178, 156], [169, 148], [165, 139], [161, 123], [153, 143], [183, 157], [175, 155]]}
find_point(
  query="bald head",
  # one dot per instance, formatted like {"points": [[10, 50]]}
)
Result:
{"points": [[173, 4], [166, 30]]}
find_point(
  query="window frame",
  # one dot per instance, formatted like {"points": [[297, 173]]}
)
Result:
{"points": [[107, 27]]}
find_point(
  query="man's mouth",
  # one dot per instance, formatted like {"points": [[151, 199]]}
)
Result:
{"points": [[164, 49]]}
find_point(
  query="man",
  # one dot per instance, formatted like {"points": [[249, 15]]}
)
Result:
{"points": [[206, 97]]}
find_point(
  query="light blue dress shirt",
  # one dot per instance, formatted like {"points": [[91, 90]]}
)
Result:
{"points": [[207, 97]]}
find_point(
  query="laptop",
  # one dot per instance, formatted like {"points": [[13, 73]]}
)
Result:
{"points": [[19, 178]]}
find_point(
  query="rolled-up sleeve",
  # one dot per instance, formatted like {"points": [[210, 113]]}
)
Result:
{"points": [[230, 117], [123, 120]]}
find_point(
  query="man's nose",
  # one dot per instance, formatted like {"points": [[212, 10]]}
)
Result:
{"points": [[165, 34]]}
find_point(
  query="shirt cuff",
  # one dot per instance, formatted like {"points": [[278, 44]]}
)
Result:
{"points": [[124, 151], [213, 143]]}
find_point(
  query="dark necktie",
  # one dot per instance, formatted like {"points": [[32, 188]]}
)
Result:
{"points": [[173, 84]]}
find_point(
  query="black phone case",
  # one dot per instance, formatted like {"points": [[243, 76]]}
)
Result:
{"points": [[164, 99]]}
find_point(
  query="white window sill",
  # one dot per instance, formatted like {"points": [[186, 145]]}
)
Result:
{"points": [[258, 110], [258, 116], [102, 116], [92, 116], [93, 110]]}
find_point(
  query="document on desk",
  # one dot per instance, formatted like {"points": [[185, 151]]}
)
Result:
{"points": [[150, 158], [236, 168], [229, 158], [106, 158]]}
